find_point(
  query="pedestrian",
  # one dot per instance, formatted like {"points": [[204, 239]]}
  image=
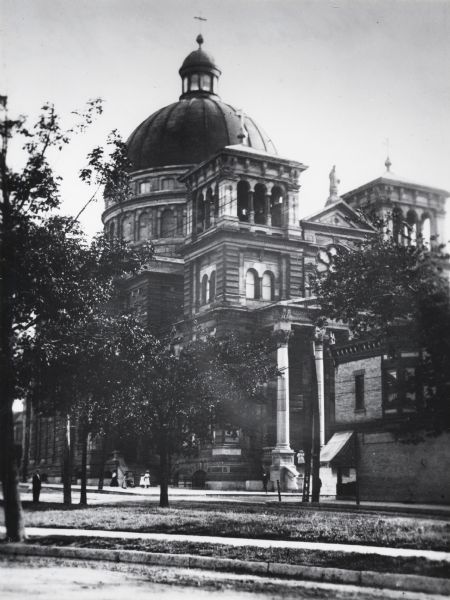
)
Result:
{"points": [[147, 479], [114, 480], [124, 480], [37, 484], [265, 479]]}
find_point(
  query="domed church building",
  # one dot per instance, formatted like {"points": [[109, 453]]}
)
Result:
{"points": [[222, 209], [166, 146]]}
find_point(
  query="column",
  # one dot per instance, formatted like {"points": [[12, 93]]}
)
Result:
{"points": [[318, 357], [283, 397], [283, 468], [267, 209], [251, 207]]}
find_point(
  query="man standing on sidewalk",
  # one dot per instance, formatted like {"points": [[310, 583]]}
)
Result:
{"points": [[36, 486]]}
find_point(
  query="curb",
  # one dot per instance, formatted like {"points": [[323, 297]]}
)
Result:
{"points": [[410, 583]]}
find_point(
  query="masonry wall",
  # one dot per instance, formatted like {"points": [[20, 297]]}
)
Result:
{"points": [[392, 469], [345, 391]]}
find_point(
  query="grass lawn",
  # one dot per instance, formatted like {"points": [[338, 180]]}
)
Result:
{"points": [[339, 560], [258, 521]]}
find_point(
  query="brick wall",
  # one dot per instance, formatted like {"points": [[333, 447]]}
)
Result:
{"points": [[394, 470], [345, 390]]}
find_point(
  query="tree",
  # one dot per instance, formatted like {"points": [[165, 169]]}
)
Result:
{"points": [[26, 196], [181, 394], [83, 372], [393, 291], [48, 274]]}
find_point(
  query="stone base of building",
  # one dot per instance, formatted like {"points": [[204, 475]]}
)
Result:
{"points": [[283, 470]]}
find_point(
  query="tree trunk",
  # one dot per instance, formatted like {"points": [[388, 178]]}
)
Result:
{"points": [[84, 447], [9, 472], [14, 522], [26, 440], [67, 465], [163, 473]]}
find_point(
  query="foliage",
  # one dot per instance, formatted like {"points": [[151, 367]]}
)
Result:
{"points": [[180, 394], [400, 294], [51, 278]]}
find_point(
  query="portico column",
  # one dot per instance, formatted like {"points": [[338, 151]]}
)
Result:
{"points": [[283, 395], [251, 208], [267, 209], [283, 468], [318, 357]]}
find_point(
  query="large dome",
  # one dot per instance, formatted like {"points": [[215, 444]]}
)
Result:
{"points": [[191, 130]]}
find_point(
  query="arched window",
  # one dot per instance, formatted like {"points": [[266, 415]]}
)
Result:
{"points": [[205, 289], [194, 82], [144, 231], [212, 286], [251, 285], [426, 230], [168, 223], [209, 207], [397, 224], [259, 203], [309, 278], [205, 82], [242, 200], [411, 219], [267, 286], [200, 213], [276, 205], [112, 231], [127, 228]]}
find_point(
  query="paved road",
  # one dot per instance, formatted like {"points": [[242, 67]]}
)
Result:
{"points": [[46, 579]]}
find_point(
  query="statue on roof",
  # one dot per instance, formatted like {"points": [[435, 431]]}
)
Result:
{"points": [[334, 182]]}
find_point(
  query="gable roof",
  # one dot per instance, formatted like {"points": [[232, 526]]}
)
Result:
{"points": [[338, 214]]}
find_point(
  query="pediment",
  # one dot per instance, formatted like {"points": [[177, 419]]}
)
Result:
{"points": [[339, 214]]}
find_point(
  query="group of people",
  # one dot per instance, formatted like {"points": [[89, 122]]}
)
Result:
{"points": [[144, 480]]}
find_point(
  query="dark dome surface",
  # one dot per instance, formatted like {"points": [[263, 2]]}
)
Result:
{"points": [[198, 58], [189, 131]]}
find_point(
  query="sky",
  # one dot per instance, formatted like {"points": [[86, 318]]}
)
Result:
{"points": [[329, 81]]}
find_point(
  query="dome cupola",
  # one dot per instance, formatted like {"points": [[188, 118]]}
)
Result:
{"points": [[199, 73]]}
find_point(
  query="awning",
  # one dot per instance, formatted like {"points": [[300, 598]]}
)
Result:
{"points": [[339, 450]]}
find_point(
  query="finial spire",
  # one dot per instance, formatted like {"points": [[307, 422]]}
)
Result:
{"points": [[388, 164], [199, 38]]}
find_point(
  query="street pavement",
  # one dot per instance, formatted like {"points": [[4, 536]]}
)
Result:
{"points": [[33, 579]]}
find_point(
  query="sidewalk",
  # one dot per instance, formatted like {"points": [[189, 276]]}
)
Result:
{"points": [[403, 583]]}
